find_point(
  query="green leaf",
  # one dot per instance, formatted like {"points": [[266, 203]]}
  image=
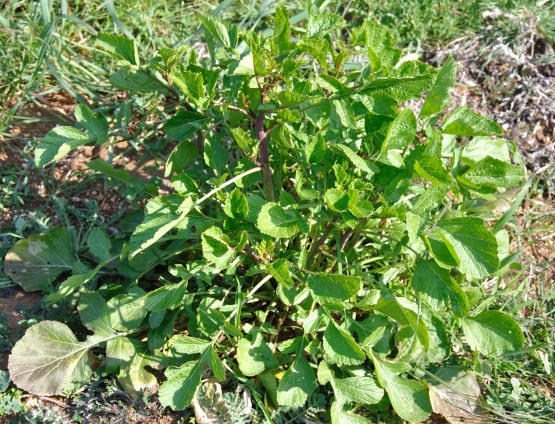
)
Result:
{"points": [[409, 398], [465, 122], [438, 288], [119, 352], [254, 357], [108, 170], [277, 222], [282, 28], [439, 98], [217, 366], [58, 143], [400, 88], [236, 205], [127, 311], [377, 39], [400, 135], [215, 155], [99, 244], [339, 416], [184, 124], [96, 125], [297, 384], [179, 390], [49, 360], [341, 348], [356, 160], [69, 285], [491, 173], [161, 216], [472, 244], [323, 24], [34, 263], [4, 380], [405, 313], [182, 155], [480, 148], [492, 333], [119, 47], [333, 289], [191, 84], [135, 378], [317, 48], [280, 271], [187, 345], [165, 297], [343, 114], [138, 81], [95, 315], [216, 248], [245, 141], [224, 32], [360, 390]]}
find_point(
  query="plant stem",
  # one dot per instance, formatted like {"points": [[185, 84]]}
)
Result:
{"points": [[316, 246], [264, 156]]}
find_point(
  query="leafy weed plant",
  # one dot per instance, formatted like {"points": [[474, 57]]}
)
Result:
{"points": [[322, 235]]}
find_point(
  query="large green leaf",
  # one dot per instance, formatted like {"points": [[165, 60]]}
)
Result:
{"points": [[224, 32], [49, 360], [492, 333], [58, 143], [254, 357], [405, 313], [179, 390], [340, 347], [94, 314], [216, 247], [360, 390], [187, 345], [400, 135], [119, 352], [139, 81], [356, 160], [282, 28], [161, 213], [438, 98], [465, 122], [379, 42], [135, 378], [165, 297], [277, 222], [472, 244], [34, 263], [99, 244], [491, 173], [333, 289], [409, 398], [480, 148], [340, 416], [127, 310], [96, 125], [119, 47], [438, 288], [322, 24], [297, 384]]}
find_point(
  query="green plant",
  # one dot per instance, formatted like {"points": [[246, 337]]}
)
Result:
{"points": [[10, 402], [321, 233]]}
